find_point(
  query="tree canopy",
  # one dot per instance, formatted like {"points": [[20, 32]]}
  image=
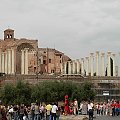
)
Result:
{"points": [[48, 91]]}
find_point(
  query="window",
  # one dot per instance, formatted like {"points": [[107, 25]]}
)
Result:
{"points": [[49, 60], [10, 36], [44, 61], [52, 71], [7, 35]]}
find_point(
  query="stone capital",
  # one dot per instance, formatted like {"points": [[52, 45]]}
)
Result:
{"points": [[87, 58], [97, 52], [102, 54], [91, 54], [109, 53], [82, 59]]}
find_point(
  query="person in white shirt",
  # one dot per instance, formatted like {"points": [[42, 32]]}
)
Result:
{"points": [[90, 110], [75, 106], [53, 111]]}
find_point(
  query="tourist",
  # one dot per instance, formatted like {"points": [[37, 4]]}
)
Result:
{"points": [[108, 108], [66, 105], [10, 112], [83, 108], [117, 108], [15, 112], [29, 113], [32, 110], [113, 108], [53, 111], [58, 113], [36, 112], [98, 109], [48, 111], [104, 108], [75, 106], [101, 109], [21, 112], [90, 110], [42, 111]]}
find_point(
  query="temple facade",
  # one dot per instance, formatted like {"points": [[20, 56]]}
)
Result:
{"points": [[17, 56]]}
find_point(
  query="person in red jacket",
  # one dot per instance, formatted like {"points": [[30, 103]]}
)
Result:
{"points": [[66, 106], [113, 108]]}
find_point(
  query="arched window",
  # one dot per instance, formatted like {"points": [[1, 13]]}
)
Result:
{"points": [[7, 35], [10, 36]]}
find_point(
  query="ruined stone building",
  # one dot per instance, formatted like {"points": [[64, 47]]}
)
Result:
{"points": [[50, 60], [22, 56]]}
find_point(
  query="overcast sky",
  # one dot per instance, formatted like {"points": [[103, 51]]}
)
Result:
{"points": [[75, 27]]}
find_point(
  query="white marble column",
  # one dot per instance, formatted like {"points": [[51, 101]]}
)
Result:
{"points": [[9, 61], [87, 66], [6, 63], [13, 61], [102, 64], [23, 62], [114, 74], [82, 66], [3, 62], [61, 68], [78, 66], [65, 67], [69, 68], [26, 61], [97, 63], [92, 64], [109, 67], [0, 60], [74, 66]]}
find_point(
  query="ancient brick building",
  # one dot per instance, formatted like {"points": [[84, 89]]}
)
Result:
{"points": [[50, 60], [22, 56], [17, 56]]}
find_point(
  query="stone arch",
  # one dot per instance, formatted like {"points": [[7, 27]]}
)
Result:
{"points": [[24, 45]]}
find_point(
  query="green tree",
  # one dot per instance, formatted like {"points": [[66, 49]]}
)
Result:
{"points": [[87, 93], [48, 91], [21, 93]]}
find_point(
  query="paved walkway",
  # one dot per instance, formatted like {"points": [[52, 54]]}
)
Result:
{"points": [[107, 118], [81, 117], [73, 117]]}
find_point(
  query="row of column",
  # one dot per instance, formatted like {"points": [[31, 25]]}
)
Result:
{"points": [[71, 67], [24, 61], [103, 67], [92, 65], [7, 61]]}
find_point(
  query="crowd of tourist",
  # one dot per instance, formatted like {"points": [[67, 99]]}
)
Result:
{"points": [[110, 108], [52, 111], [33, 112]]}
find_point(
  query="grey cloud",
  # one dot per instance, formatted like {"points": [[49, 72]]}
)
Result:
{"points": [[76, 27]]}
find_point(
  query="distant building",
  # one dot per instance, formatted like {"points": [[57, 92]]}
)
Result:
{"points": [[22, 56], [50, 60]]}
